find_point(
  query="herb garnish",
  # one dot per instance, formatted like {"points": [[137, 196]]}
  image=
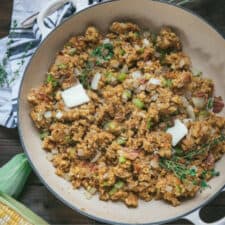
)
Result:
{"points": [[205, 148], [104, 51]]}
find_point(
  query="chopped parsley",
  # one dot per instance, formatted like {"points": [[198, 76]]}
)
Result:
{"points": [[104, 51]]}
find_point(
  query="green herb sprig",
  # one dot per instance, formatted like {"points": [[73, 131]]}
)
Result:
{"points": [[205, 148], [104, 51]]}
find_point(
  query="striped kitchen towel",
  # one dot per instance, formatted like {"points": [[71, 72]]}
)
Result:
{"points": [[17, 49]]}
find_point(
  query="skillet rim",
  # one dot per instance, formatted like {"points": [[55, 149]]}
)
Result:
{"points": [[60, 197]]}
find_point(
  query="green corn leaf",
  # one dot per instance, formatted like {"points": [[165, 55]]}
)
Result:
{"points": [[13, 175]]}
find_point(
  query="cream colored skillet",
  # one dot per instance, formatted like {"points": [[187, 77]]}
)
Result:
{"points": [[201, 42]]}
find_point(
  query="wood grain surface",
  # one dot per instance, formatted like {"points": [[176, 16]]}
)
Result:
{"points": [[36, 196]]}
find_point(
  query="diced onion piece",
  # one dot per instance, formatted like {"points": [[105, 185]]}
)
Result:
{"points": [[154, 81], [80, 152], [48, 114], [154, 163], [77, 72], [186, 121], [181, 63], [146, 42], [137, 47], [190, 112], [97, 156], [106, 41], [148, 63], [157, 54], [124, 69], [92, 190], [189, 108], [178, 131], [75, 96], [169, 188], [95, 81], [54, 151], [136, 74], [199, 102], [88, 195], [59, 115], [49, 156]]}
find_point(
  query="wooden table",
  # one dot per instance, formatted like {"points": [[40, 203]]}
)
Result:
{"points": [[36, 196]]}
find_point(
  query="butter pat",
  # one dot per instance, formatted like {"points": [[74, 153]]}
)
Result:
{"points": [[75, 96], [178, 131]]}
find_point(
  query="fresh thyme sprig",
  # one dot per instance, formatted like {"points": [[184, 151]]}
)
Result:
{"points": [[191, 154], [180, 170], [183, 172]]}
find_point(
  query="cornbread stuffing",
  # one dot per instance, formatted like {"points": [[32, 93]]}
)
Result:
{"points": [[141, 125]]}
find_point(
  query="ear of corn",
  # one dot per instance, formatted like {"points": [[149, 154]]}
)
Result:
{"points": [[14, 174], [15, 213]]}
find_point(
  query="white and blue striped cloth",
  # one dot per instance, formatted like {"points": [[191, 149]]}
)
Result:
{"points": [[21, 44]]}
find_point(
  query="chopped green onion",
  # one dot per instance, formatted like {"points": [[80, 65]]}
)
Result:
{"points": [[140, 51], [149, 124], [196, 73], [72, 51], [119, 184], [126, 95], [52, 80], [203, 113], [122, 159], [121, 77], [167, 83], [105, 183], [110, 78], [137, 34], [44, 134], [138, 103], [122, 52], [68, 139], [111, 126], [62, 66], [113, 191], [121, 140]]}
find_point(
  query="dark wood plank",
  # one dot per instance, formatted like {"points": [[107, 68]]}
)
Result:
{"points": [[36, 196], [5, 16]]}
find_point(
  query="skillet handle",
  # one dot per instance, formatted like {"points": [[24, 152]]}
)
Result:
{"points": [[195, 218], [52, 6]]}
